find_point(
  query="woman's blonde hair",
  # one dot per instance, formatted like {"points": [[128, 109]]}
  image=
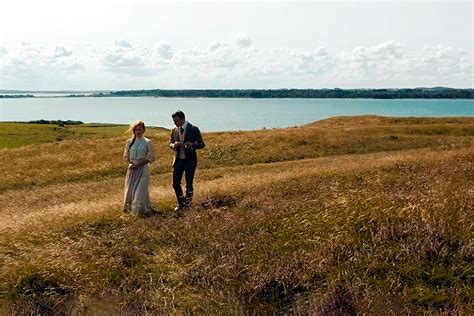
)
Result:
{"points": [[132, 129], [134, 125]]}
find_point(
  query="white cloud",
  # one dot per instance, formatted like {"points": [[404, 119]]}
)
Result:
{"points": [[317, 61], [164, 51], [219, 54], [123, 44], [122, 58], [243, 40], [235, 63], [30, 60], [60, 51], [215, 45], [442, 62], [3, 51], [389, 62]]}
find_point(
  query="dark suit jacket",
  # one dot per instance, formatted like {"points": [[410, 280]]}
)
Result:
{"points": [[193, 135]]}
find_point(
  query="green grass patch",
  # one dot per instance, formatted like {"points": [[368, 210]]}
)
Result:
{"points": [[14, 135]]}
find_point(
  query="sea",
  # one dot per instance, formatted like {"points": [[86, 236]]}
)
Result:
{"points": [[221, 114]]}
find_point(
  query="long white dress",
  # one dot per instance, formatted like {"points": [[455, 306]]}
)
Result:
{"points": [[137, 195]]}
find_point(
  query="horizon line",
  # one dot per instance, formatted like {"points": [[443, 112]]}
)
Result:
{"points": [[204, 89]]}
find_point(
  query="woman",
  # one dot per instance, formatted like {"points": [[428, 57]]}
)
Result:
{"points": [[139, 152]]}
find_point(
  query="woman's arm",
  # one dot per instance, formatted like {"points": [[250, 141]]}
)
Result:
{"points": [[150, 152]]}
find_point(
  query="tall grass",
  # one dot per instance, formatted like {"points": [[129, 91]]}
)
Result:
{"points": [[348, 215]]}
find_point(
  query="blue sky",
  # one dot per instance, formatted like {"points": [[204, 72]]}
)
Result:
{"points": [[51, 45]]}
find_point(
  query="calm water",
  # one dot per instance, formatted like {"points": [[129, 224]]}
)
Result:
{"points": [[221, 114]]}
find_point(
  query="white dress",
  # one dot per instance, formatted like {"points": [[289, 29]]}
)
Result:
{"points": [[137, 195]]}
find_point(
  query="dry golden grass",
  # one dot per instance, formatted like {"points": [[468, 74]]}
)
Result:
{"points": [[346, 215]]}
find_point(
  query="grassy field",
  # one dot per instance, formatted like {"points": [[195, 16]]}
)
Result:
{"points": [[14, 135], [349, 215]]}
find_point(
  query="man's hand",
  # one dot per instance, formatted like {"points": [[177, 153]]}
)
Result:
{"points": [[188, 144], [178, 145]]}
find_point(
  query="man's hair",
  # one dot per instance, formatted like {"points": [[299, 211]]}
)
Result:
{"points": [[179, 114]]}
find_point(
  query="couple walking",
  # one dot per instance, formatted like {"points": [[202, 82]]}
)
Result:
{"points": [[139, 151]]}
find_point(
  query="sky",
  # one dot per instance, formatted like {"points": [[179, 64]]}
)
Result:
{"points": [[118, 44]]}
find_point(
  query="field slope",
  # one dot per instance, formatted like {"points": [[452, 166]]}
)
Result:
{"points": [[348, 215]]}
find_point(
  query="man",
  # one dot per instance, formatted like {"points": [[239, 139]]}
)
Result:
{"points": [[184, 140]]}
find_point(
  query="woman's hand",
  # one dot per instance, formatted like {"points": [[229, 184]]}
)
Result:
{"points": [[138, 164]]}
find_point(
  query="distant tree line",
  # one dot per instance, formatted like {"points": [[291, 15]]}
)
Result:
{"points": [[425, 93], [415, 93], [57, 122], [12, 96]]}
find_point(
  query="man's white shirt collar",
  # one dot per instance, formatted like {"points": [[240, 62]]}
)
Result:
{"points": [[185, 125]]}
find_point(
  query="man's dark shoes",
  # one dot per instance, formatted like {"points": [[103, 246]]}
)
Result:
{"points": [[187, 201]]}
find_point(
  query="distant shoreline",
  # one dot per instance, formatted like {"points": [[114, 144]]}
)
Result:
{"points": [[412, 93]]}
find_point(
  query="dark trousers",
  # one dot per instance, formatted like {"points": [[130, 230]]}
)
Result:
{"points": [[187, 166]]}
